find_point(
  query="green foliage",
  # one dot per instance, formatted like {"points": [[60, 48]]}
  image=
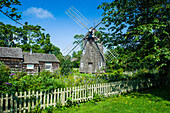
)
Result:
{"points": [[78, 39], [97, 98], [25, 37], [141, 29], [45, 81], [49, 109], [66, 67], [4, 77], [77, 57], [36, 109], [152, 100], [8, 7], [69, 102], [58, 54]]}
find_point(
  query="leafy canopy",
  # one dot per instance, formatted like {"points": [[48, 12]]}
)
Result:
{"points": [[140, 27]]}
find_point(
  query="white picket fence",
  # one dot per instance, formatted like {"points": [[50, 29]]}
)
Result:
{"points": [[25, 101]]}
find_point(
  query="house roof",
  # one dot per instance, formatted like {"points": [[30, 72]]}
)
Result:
{"points": [[7, 52], [35, 58]]}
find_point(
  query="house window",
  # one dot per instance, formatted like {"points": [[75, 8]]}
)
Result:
{"points": [[48, 66], [30, 66]]}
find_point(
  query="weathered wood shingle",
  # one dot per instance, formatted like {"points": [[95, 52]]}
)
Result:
{"points": [[35, 58], [6, 52]]}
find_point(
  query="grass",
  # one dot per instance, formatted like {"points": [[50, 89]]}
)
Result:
{"points": [[155, 100]]}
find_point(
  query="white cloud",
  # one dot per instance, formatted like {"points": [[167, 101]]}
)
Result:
{"points": [[39, 13]]}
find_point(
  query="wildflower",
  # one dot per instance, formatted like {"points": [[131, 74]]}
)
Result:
{"points": [[12, 74], [7, 83]]}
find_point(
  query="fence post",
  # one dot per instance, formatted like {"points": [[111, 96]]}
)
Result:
{"points": [[6, 102], [66, 93], [11, 103], [63, 97], [20, 103], [29, 101], [1, 101], [25, 97], [44, 99], [58, 96], [51, 103], [92, 90], [54, 97], [32, 106]]}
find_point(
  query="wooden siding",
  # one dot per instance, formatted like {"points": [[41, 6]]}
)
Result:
{"points": [[15, 64]]}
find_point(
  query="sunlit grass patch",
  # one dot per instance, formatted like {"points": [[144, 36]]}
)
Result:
{"points": [[154, 100]]}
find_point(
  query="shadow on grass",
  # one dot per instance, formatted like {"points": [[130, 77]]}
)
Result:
{"points": [[155, 93]]}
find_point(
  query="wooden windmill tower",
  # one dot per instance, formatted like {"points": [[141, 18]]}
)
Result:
{"points": [[92, 58]]}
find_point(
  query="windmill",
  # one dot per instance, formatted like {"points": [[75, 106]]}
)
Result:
{"points": [[92, 58]]}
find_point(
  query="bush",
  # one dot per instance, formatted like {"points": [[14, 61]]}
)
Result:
{"points": [[66, 67], [4, 77]]}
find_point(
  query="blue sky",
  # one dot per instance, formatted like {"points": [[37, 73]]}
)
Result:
{"points": [[50, 14]]}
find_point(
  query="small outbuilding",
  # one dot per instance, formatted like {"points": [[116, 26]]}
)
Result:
{"points": [[37, 62], [28, 62]]}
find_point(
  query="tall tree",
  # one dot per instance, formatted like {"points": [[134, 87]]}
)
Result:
{"points": [[147, 26], [56, 51]]}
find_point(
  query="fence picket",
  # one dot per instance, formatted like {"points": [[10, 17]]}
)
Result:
{"points": [[29, 93], [6, 101], [32, 106], [58, 96], [47, 98], [25, 96], [20, 103], [41, 99], [23, 101], [44, 101], [54, 98], [51, 99], [1, 103], [37, 98]]}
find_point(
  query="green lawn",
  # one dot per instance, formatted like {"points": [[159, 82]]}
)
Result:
{"points": [[153, 100]]}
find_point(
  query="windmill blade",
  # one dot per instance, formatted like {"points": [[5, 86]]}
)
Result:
{"points": [[110, 55], [97, 25], [74, 14], [67, 48], [74, 47]]}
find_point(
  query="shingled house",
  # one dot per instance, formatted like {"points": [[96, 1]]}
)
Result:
{"points": [[12, 57], [28, 62], [36, 62]]}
